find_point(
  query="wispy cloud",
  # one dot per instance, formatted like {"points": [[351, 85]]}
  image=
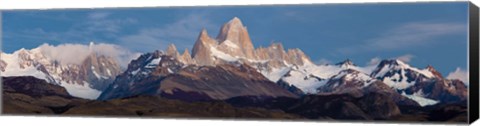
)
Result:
{"points": [[98, 15], [323, 61], [405, 58], [459, 74], [77, 53], [374, 61], [94, 24], [407, 36], [182, 32]]}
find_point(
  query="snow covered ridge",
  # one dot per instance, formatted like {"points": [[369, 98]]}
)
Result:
{"points": [[309, 77], [84, 74]]}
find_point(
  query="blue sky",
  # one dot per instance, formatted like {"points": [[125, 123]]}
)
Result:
{"points": [[420, 33]]}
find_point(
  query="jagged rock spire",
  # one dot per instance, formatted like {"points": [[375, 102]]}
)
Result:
{"points": [[187, 58], [201, 52], [234, 35], [172, 51], [233, 41]]}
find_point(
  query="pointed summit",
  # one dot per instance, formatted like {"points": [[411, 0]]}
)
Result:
{"points": [[201, 52], [234, 34], [203, 33], [172, 51], [434, 71], [236, 21], [186, 57], [297, 56], [186, 53], [346, 63]]}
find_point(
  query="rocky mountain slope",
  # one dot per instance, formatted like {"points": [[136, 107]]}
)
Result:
{"points": [[162, 75]]}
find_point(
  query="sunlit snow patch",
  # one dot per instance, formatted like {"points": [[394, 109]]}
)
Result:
{"points": [[420, 100], [81, 91]]}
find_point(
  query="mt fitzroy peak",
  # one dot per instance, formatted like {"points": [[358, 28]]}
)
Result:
{"points": [[233, 43], [231, 56]]}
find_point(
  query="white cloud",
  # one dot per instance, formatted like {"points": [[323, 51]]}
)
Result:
{"points": [[408, 35], [77, 53], [374, 61], [182, 32], [98, 15], [405, 58], [323, 61], [459, 74]]}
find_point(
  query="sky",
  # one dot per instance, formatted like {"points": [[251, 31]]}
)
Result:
{"points": [[418, 33]]}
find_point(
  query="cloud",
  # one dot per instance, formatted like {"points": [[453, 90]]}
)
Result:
{"points": [[405, 58], [98, 15], [182, 32], [459, 74], [374, 61], [323, 61], [95, 27], [77, 53], [98, 22], [407, 36]]}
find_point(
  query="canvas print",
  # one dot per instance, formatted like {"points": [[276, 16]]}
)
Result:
{"points": [[393, 62]]}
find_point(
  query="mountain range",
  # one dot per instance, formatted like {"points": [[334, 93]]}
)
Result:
{"points": [[229, 66]]}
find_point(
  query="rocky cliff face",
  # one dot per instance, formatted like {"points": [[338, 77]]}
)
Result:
{"points": [[235, 40], [201, 51]]}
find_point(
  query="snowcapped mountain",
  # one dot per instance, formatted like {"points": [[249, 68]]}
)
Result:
{"points": [[346, 79], [400, 75], [426, 84], [85, 79], [290, 69], [309, 77]]}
